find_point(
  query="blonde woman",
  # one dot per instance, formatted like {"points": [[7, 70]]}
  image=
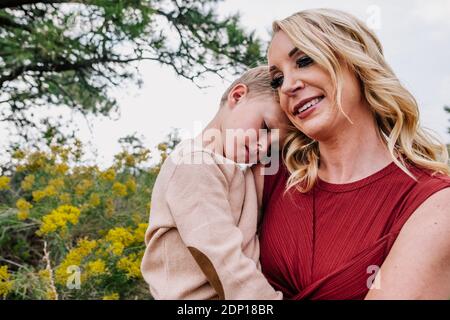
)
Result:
{"points": [[364, 190]]}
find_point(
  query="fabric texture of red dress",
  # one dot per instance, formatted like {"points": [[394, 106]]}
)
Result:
{"points": [[329, 242]]}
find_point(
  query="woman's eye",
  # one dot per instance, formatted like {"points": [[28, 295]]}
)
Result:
{"points": [[276, 82], [304, 61]]}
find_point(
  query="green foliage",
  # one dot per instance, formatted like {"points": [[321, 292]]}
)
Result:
{"points": [[73, 52], [58, 221]]}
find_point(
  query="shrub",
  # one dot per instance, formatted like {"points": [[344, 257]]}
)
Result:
{"points": [[69, 230]]}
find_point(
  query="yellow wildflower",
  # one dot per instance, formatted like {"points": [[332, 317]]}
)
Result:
{"points": [[112, 296], [110, 207], [119, 238], [27, 183], [60, 151], [24, 208], [23, 205], [22, 215], [139, 232], [4, 183], [56, 183], [83, 186], [20, 168], [136, 217], [74, 258], [37, 160], [5, 283], [38, 195], [48, 191], [162, 147], [50, 294], [18, 154], [59, 218], [130, 160], [65, 198], [108, 175], [95, 268], [61, 168], [131, 265], [44, 274], [94, 200], [119, 189], [131, 185]]}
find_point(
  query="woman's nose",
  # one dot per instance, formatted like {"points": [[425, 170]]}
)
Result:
{"points": [[291, 85]]}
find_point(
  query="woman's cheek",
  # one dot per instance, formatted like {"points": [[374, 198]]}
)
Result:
{"points": [[283, 103]]}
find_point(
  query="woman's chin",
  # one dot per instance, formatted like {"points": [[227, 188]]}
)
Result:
{"points": [[312, 127]]}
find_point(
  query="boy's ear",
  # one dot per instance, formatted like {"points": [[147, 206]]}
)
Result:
{"points": [[236, 94]]}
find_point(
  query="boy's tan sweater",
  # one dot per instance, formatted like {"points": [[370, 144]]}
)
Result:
{"points": [[201, 240]]}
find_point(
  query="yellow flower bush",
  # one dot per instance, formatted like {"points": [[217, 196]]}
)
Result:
{"points": [[24, 208], [119, 238], [94, 200], [18, 154], [45, 279], [74, 258], [61, 168], [48, 191], [112, 296], [95, 268], [56, 183], [4, 183], [58, 219], [108, 175], [139, 232], [65, 198], [5, 282], [83, 187], [90, 221], [27, 183], [131, 185], [131, 265], [119, 189]]}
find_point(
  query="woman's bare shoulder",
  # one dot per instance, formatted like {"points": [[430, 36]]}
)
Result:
{"points": [[418, 265]]}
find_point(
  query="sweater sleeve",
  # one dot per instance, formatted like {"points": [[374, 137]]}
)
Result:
{"points": [[197, 196]]}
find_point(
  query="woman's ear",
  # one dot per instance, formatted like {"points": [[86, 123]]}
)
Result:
{"points": [[236, 94]]}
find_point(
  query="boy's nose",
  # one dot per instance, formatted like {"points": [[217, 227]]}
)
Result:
{"points": [[263, 143]]}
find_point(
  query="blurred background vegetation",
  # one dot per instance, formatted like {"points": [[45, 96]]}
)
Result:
{"points": [[60, 217]]}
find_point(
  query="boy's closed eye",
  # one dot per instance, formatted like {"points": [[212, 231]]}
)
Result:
{"points": [[265, 126]]}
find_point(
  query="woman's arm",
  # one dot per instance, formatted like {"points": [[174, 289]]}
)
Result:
{"points": [[418, 265]]}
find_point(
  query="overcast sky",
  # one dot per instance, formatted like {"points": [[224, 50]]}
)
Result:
{"points": [[416, 40]]}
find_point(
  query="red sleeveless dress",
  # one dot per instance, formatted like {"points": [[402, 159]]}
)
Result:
{"points": [[327, 243]]}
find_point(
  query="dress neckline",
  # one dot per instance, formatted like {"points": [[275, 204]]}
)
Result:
{"points": [[343, 187]]}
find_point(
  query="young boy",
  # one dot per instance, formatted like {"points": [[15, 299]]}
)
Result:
{"points": [[202, 237]]}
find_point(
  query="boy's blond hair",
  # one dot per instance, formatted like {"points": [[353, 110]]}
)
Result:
{"points": [[257, 81]]}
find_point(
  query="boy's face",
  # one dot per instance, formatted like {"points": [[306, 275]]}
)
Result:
{"points": [[251, 126]]}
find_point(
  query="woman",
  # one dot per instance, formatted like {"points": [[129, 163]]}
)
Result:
{"points": [[363, 188]]}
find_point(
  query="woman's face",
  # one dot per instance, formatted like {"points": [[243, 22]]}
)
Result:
{"points": [[306, 90]]}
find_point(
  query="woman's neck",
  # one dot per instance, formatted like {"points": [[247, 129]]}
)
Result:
{"points": [[357, 152]]}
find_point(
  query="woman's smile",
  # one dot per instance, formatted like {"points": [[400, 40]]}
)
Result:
{"points": [[307, 106]]}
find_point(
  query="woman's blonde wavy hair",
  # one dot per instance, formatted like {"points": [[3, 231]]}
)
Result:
{"points": [[329, 37]]}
